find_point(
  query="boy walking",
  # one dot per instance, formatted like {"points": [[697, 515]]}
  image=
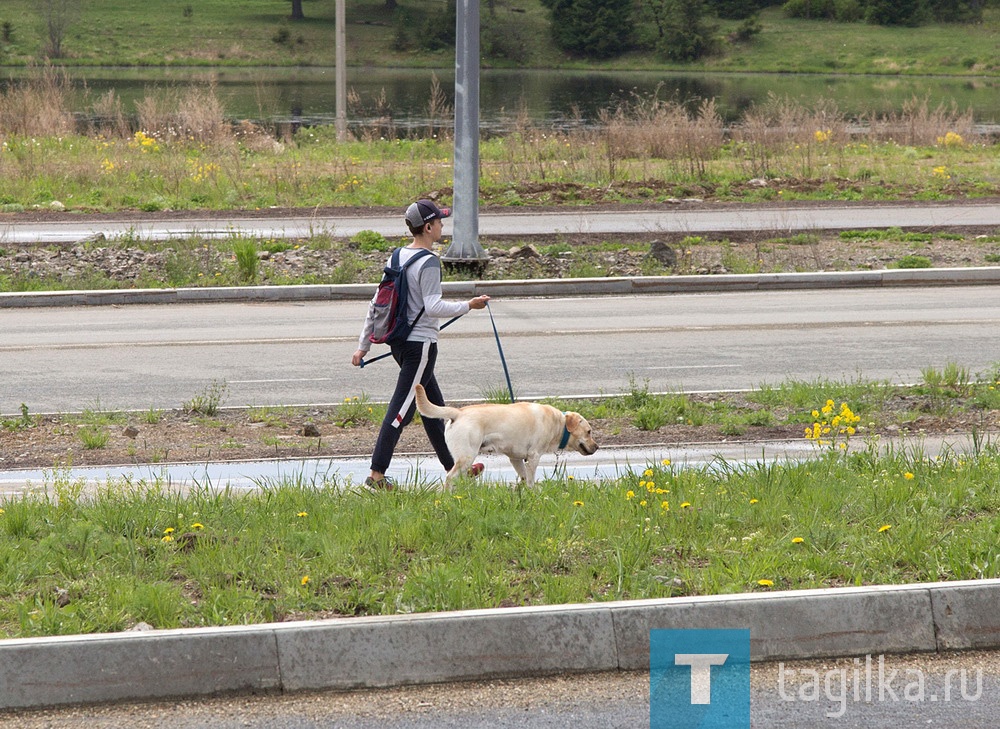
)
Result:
{"points": [[417, 355]]}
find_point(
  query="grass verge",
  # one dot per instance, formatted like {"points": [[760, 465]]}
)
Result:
{"points": [[134, 552], [181, 33]]}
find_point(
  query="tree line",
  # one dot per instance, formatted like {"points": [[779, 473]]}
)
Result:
{"points": [[680, 30]]}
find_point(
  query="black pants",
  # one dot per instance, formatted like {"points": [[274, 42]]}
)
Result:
{"points": [[416, 364]]}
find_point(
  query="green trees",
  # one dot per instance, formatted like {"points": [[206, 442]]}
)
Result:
{"points": [[592, 28], [888, 12], [683, 31]]}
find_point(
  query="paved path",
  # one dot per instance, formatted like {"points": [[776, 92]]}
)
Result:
{"points": [[687, 218]]}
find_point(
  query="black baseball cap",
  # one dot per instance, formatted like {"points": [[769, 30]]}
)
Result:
{"points": [[424, 211]]}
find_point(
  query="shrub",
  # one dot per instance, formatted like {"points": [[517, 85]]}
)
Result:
{"points": [[809, 9], [246, 259], [209, 401], [593, 28], [914, 262], [369, 241]]}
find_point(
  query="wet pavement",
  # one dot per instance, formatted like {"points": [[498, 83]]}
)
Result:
{"points": [[424, 470]]}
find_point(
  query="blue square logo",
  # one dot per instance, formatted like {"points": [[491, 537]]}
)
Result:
{"points": [[699, 679]]}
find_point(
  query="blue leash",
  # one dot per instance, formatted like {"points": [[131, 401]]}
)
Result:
{"points": [[503, 360], [496, 334]]}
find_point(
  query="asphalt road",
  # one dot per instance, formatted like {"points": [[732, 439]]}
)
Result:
{"points": [[141, 357], [691, 218], [910, 691]]}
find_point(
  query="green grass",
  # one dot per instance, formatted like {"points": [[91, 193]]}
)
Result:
{"points": [[182, 33], [134, 552], [88, 174], [78, 560]]}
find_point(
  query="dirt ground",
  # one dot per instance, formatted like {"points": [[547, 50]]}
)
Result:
{"points": [[285, 433], [565, 255], [240, 434]]}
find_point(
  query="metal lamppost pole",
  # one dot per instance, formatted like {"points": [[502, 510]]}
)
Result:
{"points": [[341, 71], [465, 248]]}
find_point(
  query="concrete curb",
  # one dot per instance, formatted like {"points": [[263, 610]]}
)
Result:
{"points": [[484, 644], [975, 276]]}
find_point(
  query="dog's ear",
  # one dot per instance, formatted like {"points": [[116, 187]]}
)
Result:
{"points": [[572, 421]]}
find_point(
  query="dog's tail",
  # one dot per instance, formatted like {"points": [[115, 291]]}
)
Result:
{"points": [[429, 410]]}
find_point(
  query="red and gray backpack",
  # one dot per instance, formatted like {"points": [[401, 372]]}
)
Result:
{"points": [[390, 324]]}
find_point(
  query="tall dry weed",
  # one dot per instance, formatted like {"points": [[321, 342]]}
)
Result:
{"points": [[108, 117], [919, 124], [440, 114], [193, 114], [39, 106], [374, 119], [782, 126], [664, 130]]}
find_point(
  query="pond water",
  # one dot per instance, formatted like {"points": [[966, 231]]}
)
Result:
{"points": [[545, 97]]}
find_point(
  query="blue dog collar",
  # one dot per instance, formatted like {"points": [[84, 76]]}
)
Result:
{"points": [[565, 438]]}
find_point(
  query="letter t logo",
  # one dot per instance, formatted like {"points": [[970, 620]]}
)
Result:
{"points": [[699, 678], [701, 673]]}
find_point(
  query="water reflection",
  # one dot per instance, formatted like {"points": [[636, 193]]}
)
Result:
{"points": [[542, 97]]}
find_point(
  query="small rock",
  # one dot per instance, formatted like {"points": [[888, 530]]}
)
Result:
{"points": [[56, 205], [62, 597], [310, 431], [95, 238], [663, 253], [528, 251], [757, 182], [141, 628], [130, 431]]}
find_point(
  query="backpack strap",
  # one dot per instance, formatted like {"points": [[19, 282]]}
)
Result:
{"points": [[421, 252]]}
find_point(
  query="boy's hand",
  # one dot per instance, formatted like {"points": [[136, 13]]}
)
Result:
{"points": [[479, 302]]}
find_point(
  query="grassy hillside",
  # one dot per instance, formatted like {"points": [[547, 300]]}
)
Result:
{"points": [[259, 33]]}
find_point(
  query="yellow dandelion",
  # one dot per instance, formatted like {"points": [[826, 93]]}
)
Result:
{"points": [[665, 461], [302, 514], [765, 583], [665, 506], [577, 503], [884, 528], [642, 503], [630, 494], [797, 540], [197, 525], [168, 530], [167, 538], [648, 472], [908, 476], [686, 505], [754, 501], [304, 581]]}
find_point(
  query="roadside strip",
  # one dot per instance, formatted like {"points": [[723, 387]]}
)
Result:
{"points": [[624, 286], [369, 652]]}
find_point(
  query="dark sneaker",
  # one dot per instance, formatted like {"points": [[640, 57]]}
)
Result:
{"points": [[475, 469], [383, 484]]}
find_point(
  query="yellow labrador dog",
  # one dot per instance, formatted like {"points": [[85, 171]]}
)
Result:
{"points": [[522, 431]]}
